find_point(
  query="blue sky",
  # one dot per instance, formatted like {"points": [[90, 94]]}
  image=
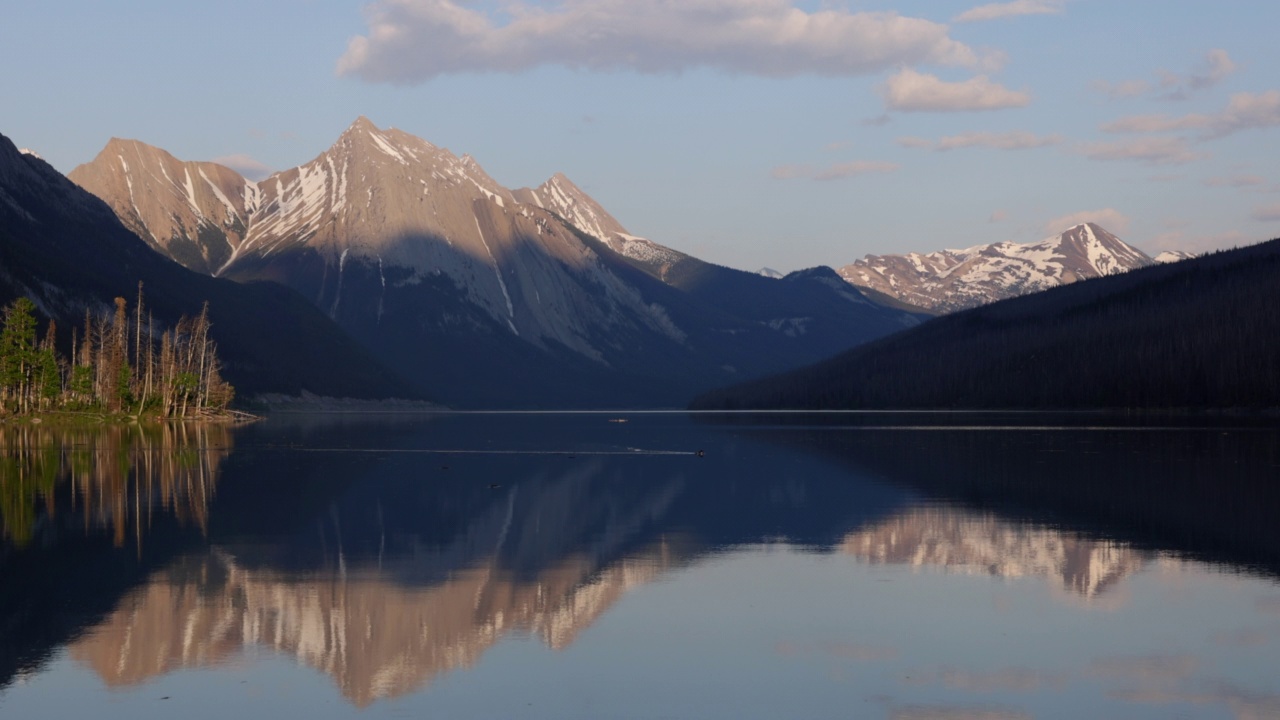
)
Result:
{"points": [[746, 132]]}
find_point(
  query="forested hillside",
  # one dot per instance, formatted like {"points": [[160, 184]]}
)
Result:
{"points": [[1202, 333]]}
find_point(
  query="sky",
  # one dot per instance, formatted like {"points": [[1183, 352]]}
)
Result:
{"points": [[750, 133]]}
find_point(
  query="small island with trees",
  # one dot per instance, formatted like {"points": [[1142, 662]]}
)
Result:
{"points": [[116, 367]]}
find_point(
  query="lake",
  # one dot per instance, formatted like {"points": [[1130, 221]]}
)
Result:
{"points": [[643, 565]]}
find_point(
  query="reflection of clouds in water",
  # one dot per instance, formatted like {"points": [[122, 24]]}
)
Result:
{"points": [[1147, 667], [1246, 638], [1242, 703], [1167, 680], [1017, 679], [947, 712]]}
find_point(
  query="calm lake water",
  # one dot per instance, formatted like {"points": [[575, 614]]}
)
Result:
{"points": [[901, 566]]}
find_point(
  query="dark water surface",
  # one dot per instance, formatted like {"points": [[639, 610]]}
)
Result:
{"points": [[670, 566]]}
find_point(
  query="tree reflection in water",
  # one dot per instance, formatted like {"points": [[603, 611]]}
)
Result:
{"points": [[112, 478]]}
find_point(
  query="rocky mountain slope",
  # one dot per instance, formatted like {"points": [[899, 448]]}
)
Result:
{"points": [[950, 280], [68, 252], [482, 295]]}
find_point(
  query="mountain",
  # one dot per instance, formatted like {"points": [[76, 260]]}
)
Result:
{"points": [[1201, 333], [1169, 256], [484, 296], [194, 212], [769, 272], [950, 280], [68, 252]]}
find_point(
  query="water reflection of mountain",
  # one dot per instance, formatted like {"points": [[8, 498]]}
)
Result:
{"points": [[375, 637], [384, 553], [1207, 491], [370, 592], [384, 566], [87, 513], [983, 543]]}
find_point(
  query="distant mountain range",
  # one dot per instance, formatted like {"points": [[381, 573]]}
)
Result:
{"points": [[951, 280], [480, 295], [1201, 333]]}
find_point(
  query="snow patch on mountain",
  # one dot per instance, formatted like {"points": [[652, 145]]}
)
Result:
{"points": [[1169, 256], [950, 280]]}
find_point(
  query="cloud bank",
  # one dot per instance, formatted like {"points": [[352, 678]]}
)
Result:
{"points": [[1160, 150], [912, 91], [1245, 111], [997, 11], [1218, 65], [413, 41]]}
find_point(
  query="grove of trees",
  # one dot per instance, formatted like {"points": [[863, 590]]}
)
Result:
{"points": [[116, 365]]}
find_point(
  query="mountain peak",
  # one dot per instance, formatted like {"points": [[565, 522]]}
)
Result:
{"points": [[362, 124], [951, 280]]}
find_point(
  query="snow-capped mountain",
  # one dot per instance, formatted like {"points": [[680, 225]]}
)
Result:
{"points": [[195, 212], [950, 280], [561, 196], [1169, 256], [485, 295], [68, 252]]}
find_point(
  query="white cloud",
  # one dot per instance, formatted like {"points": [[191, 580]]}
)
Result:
{"points": [[247, 166], [412, 41], [911, 91], [1245, 111], [1152, 150], [1109, 218], [1156, 123], [1267, 213], [1217, 66], [998, 216], [1018, 140], [833, 172], [996, 11]]}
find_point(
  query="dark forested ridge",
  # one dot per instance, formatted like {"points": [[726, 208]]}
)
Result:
{"points": [[66, 251], [1202, 333]]}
